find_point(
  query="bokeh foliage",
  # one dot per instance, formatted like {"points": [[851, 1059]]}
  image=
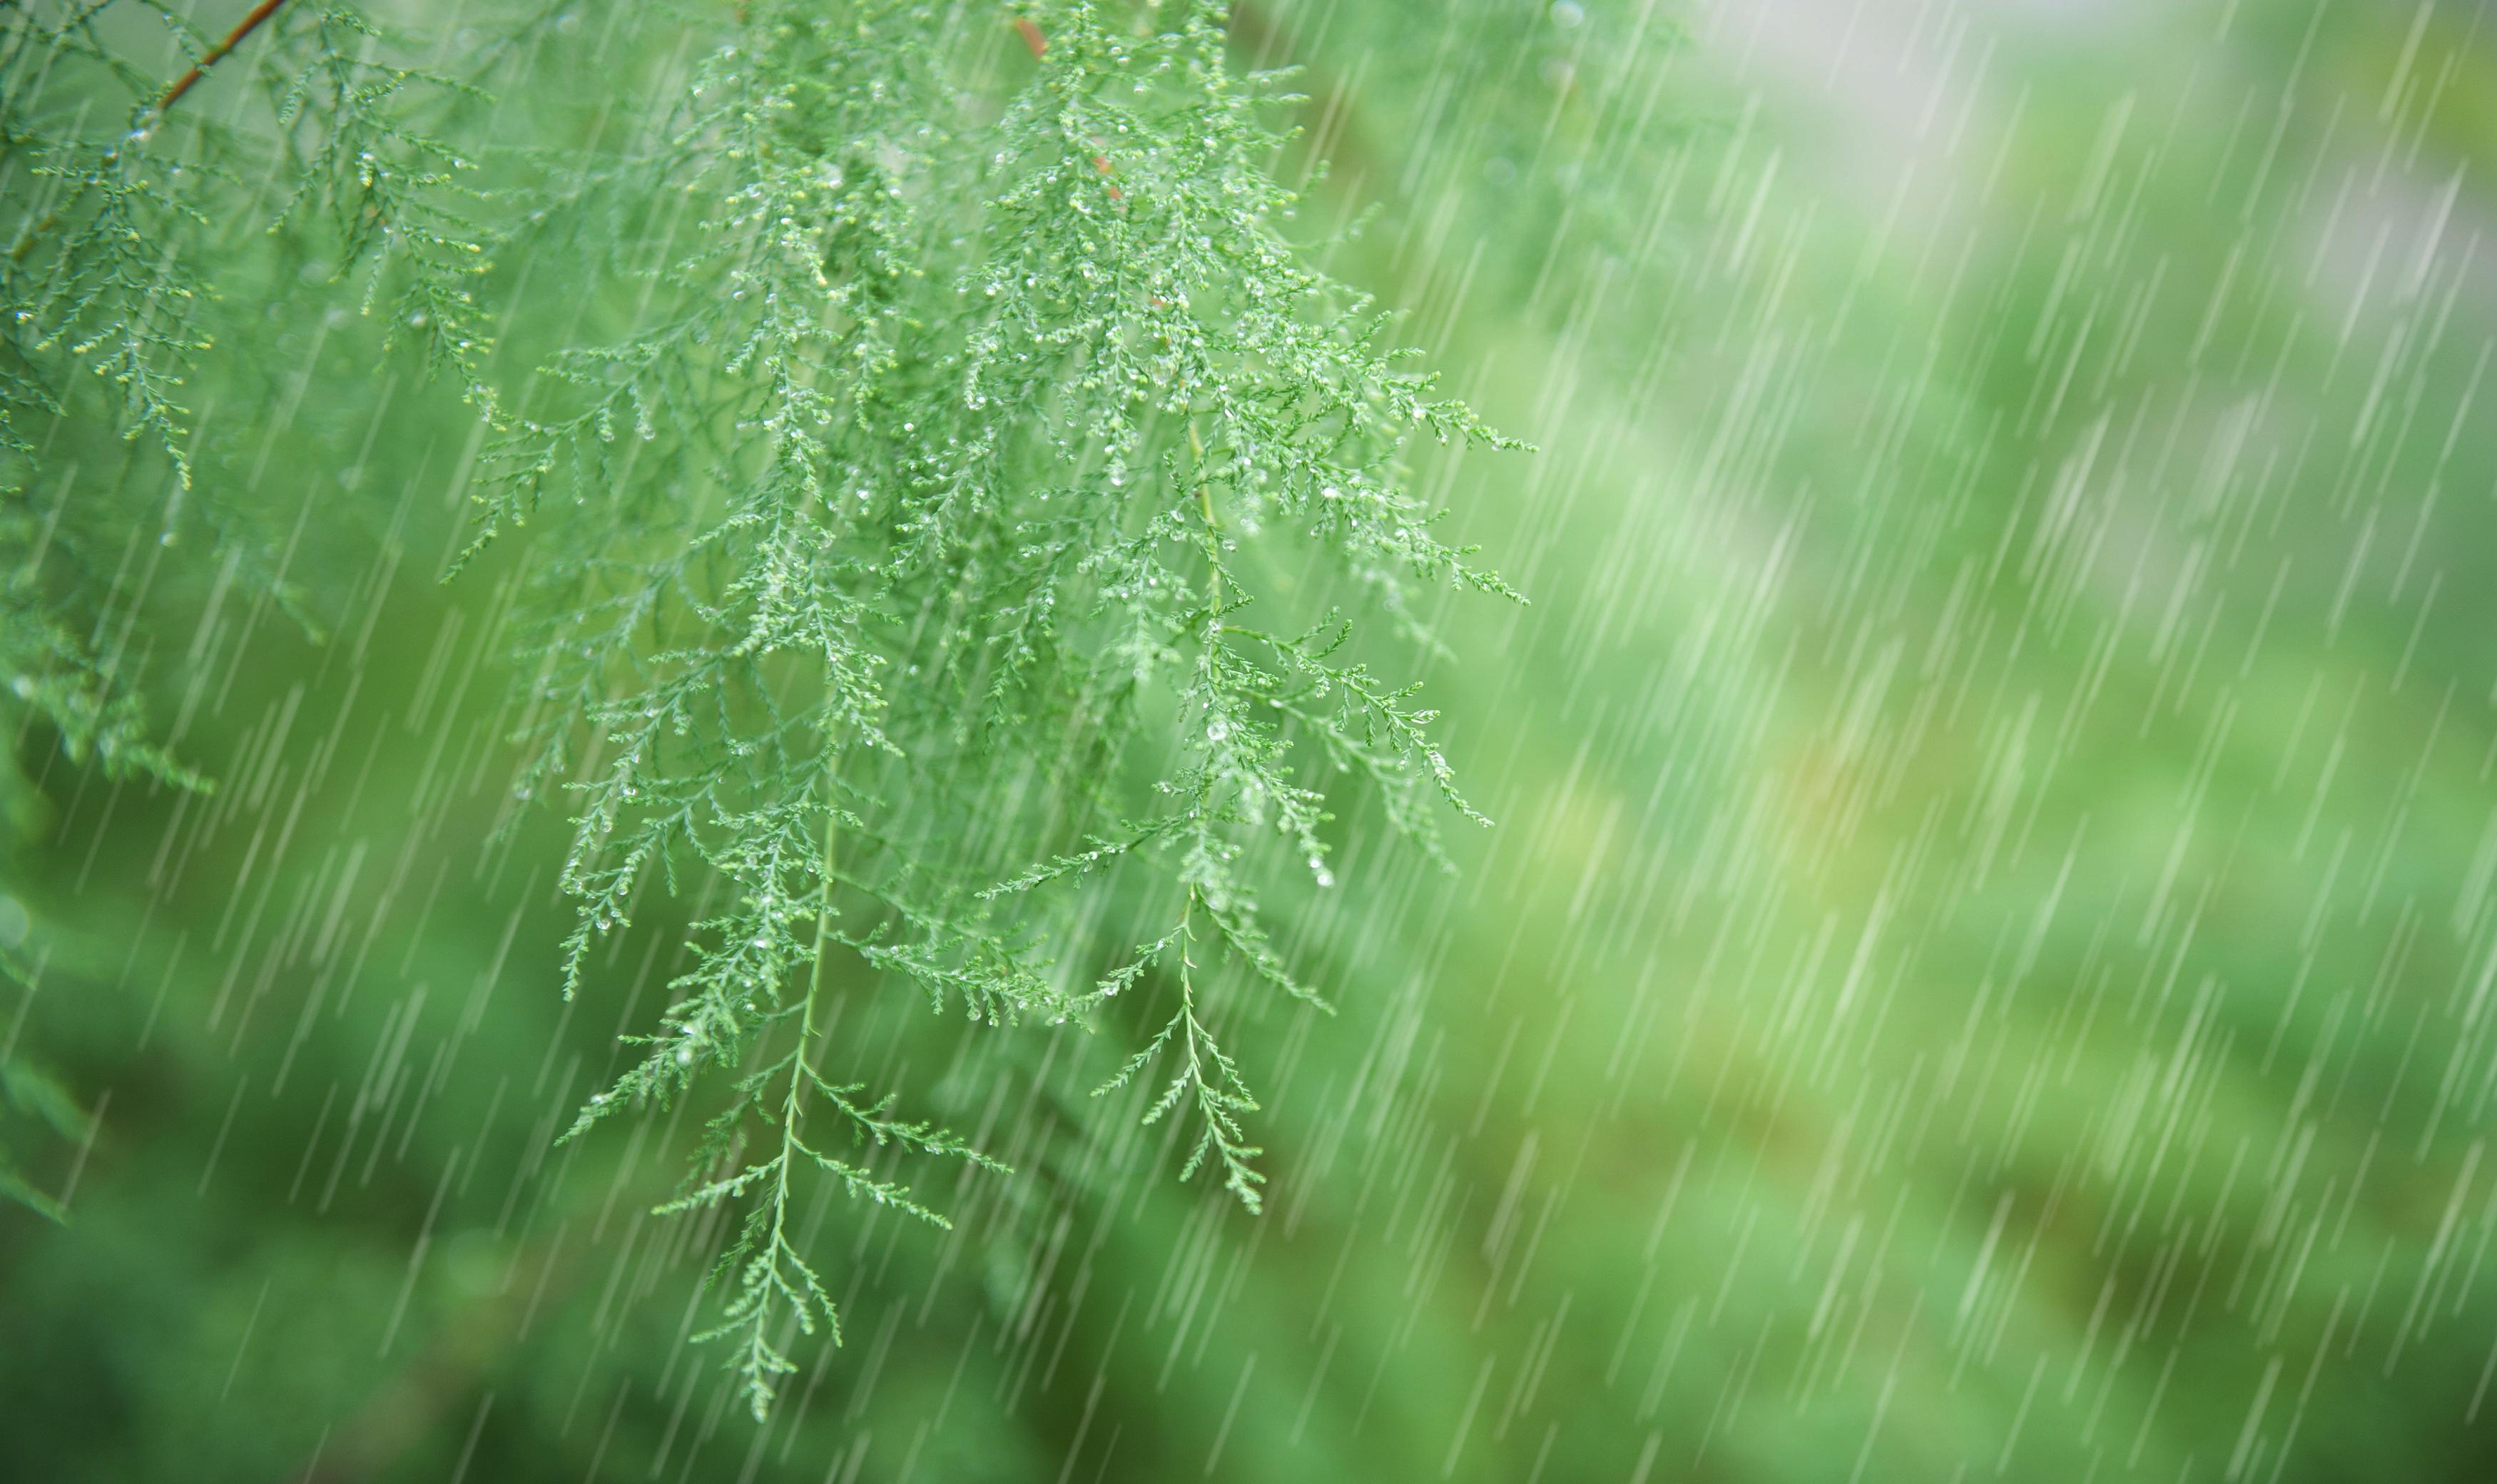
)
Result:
{"points": [[1983, 969]]}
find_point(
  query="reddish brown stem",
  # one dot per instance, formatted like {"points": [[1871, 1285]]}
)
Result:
{"points": [[1029, 30], [216, 53]]}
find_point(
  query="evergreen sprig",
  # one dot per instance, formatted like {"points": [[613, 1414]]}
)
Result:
{"points": [[944, 461], [902, 501], [150, 228]]}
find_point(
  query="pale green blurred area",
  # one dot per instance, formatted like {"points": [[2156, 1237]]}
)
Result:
{"points": [[1982, 969]]}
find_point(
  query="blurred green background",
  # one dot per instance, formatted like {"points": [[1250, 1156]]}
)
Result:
{"points": [[1983, 971]]}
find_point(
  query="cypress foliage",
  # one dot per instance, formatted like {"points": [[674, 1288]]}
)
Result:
{"points": [[911, 505]]}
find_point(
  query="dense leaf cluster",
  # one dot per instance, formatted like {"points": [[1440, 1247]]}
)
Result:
{"points": [[912, 530], [144, 239]]}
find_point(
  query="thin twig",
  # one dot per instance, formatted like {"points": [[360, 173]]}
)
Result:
{"points": [[261, 11], [216, 53], [800, 1072]]}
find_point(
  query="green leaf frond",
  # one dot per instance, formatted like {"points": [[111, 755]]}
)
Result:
{"points": [[906, 509]]}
